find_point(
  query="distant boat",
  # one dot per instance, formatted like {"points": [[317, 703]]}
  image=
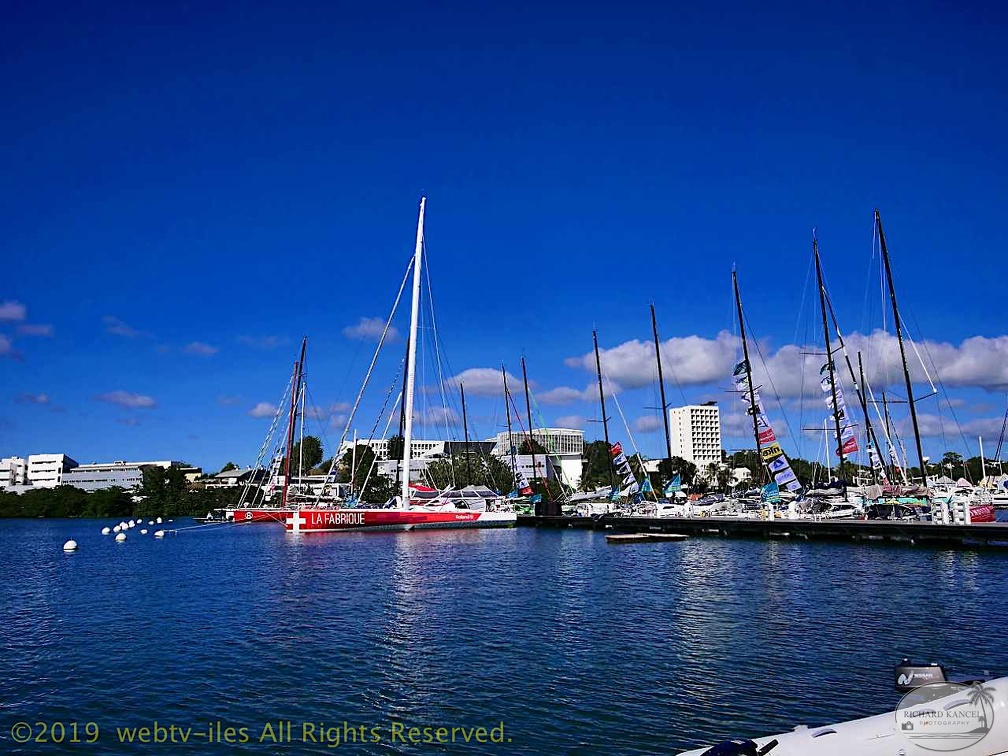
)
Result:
{"points": [[409, 511]]}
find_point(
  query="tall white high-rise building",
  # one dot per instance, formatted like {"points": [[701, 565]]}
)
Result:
{"points": [[695, 432]]}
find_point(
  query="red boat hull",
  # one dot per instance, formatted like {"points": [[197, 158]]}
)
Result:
{"points": [[330, 520], [259, 514], [982, 513]]}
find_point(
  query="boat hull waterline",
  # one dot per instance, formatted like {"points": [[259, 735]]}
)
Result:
{"points": [[336, 520], [257, 515]]}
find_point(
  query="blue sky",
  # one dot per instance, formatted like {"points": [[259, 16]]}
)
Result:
{"points": [[188, 190]]}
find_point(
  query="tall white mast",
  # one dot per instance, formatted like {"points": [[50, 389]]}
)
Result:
{"points": [[411, 366], [983, 465]]}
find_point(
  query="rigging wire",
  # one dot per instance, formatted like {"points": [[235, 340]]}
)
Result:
{"points": [[367, 377]]}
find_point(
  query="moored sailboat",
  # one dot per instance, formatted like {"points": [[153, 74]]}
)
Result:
{"points": [[407, 511], [248, 509]]}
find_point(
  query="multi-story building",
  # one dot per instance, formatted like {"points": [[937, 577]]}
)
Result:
{"points": [[565, 447], [122, 474], [13, 472], [695, 432], [47, 470], [94, 477]]}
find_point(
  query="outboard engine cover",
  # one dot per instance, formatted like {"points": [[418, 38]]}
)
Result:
{"points": [[909, 675], [734, 747]]}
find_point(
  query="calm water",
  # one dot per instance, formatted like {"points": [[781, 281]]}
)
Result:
{"points": [[576, 645]]}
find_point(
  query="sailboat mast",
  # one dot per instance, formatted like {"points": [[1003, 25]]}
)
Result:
{"points": [[829, 357], [402, 403], [605, 421], [745, 356], [291, 420], [301, 439], [411, 358], [872, 438], [661, 385], [353, 462], [893, 449], [899, 338], [465, 430], [507, 409], [528, 411]]}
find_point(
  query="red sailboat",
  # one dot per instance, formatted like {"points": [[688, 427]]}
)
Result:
{"points": [[410, 510]]}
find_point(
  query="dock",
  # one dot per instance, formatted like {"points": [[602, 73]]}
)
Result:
{"points": [[985, 535], [644, 537]]}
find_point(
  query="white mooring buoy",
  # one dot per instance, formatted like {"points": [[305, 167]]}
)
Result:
{"points": [[120, 538], [159, 534], [106, 530], [70, 545], [143, 531], [158, 520]]}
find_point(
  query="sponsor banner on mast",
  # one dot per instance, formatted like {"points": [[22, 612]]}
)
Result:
{"points": [[771, 451], [847, 443]]}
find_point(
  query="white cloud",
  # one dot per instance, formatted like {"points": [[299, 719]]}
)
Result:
{"points": [[33, 399], [263, 409], [688, 360], [228, 401], [333, 410], [128, 399], [370, 329], [200, 348], [35, 329], [118, 328], [646, 424], [484, 382], [11, 310], [436, 416], [562, 395], [793, 370], [262, 342], [6, 345]]}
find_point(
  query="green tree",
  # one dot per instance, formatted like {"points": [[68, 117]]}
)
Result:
{"points": [[475, 470], [596, 466], [313, 454], [370, 485], [395, 447], [724, 477], [686, 470], [953, 464], [229, 467], [530, 446]]}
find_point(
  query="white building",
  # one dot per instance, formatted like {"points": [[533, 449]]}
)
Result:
{"points": [[13, 472], [46, 470], [565, 447], [100, 475], [695, 432]]}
